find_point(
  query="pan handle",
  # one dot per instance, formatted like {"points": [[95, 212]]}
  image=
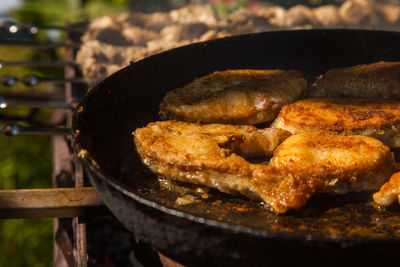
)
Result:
{"points": [[13, 129]]}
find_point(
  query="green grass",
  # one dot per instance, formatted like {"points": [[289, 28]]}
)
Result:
{"points": [[25, 162], [27, 242]]}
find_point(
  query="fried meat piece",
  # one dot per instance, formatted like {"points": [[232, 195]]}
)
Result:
{"points": [[215, 158], [338, 163], [208, 154], [376, 118], [389, 191], [247, 141], [234, 96], [378, 80]]}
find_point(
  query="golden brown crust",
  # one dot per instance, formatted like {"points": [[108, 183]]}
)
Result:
{"points": [[389, 191], [212, 155], [203, 154], [376, 118], [282, 190], [241, 139], [340, 163], [234, 96], [379, 80]]}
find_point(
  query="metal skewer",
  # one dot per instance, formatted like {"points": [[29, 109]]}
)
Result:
{"points": [[32, 80], [4, 103], [14, 27], [13, 129]]}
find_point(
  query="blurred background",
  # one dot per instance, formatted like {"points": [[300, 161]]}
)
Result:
{"points": [[26, 160]]}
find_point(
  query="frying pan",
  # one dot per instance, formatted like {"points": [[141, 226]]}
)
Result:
{"points": [[219, 229]]}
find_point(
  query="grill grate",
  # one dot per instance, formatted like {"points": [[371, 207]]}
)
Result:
{"points": [[109, 243], [69, 233]]}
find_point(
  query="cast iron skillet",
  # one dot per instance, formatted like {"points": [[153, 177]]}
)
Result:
{"points": [[219, 229]]}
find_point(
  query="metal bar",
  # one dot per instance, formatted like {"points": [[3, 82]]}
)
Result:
{"points": [[32, 80], [53, 80], [13, 129], [80, 242], [4, 103], [67, 29], [50, 203], [31, 95], [13, 27]]}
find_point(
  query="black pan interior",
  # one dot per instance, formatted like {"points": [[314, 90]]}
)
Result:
{"points": [[130, 98]]}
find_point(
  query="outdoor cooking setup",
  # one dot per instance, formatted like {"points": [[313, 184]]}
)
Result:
{"points": [[100, 181]]}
